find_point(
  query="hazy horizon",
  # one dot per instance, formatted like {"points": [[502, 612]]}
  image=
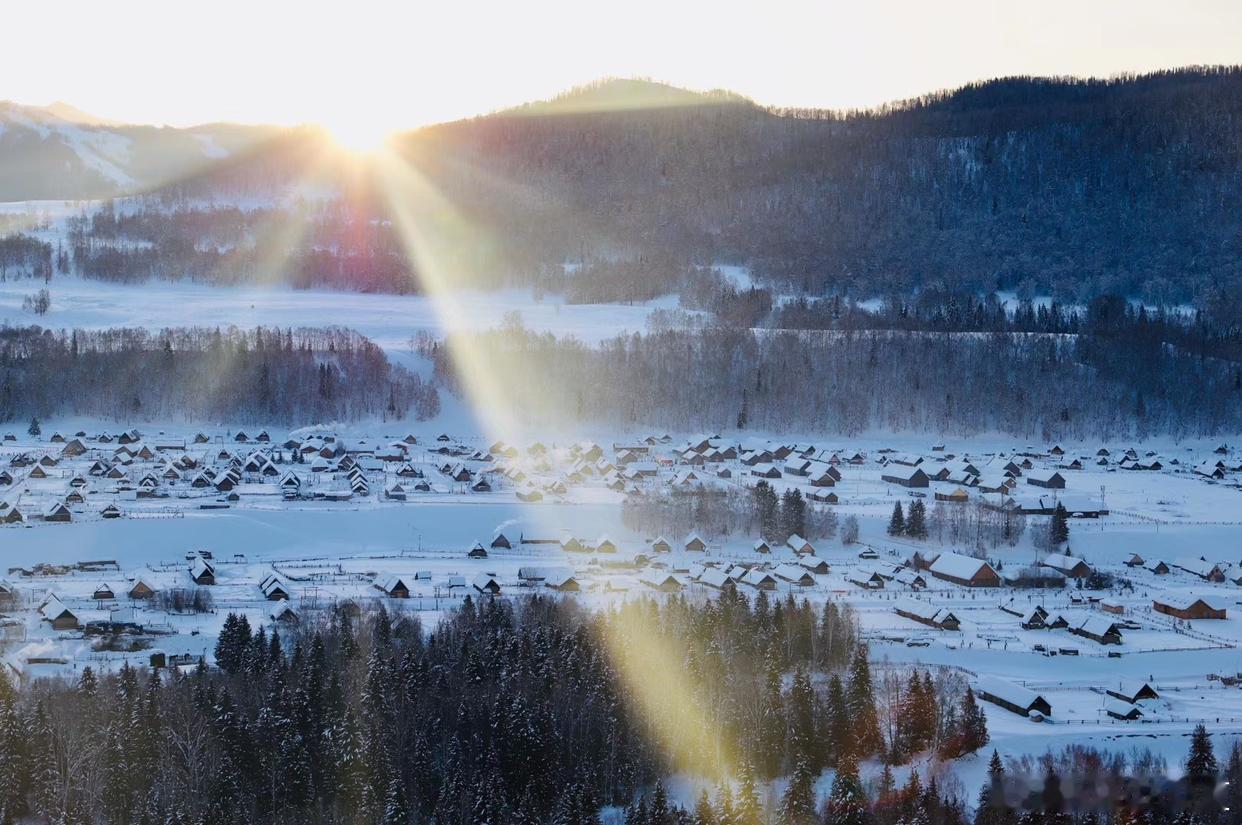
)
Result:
{"points": [[381, 70]]}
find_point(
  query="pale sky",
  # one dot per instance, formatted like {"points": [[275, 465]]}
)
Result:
{"points": [[401, 64]]}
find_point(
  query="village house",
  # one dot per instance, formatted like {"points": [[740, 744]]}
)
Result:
{"points": [[759, 579], [794, 574], [716, 579], [1050, 479], [964, 570], [57, 615], [273, 588], [393, 586], [799, 545], [661, 581], [141, 589], [1205, 570], [1068, 566], [201, 571], [486, 584], [924, 613], [866, 579], [1099, 629], [814, 564], [1132, 691]]}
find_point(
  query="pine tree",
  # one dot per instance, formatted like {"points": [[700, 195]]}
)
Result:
{"points": [[34, 429], [12, 754], [704, 813], [746, 809], [802, 742], [1201, 771], [1058, 527], [233, 643], [798, 804], [838, 720], [658, 812], [992, 808], [916, 523], [974, 723], [767, 511], [864, 720], [847, 804], [897, 522], [793, 512]]}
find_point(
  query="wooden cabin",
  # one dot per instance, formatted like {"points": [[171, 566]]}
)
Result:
{"points": [[1188, 608]]}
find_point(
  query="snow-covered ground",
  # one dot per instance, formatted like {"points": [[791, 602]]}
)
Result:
{"points": [[389, 320]]}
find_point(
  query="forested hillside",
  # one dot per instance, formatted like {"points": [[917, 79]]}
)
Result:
{"points": [[1066, 187], [1075, 187]]}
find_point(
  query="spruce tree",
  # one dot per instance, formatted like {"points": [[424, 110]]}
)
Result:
{"points": [[798, 804], [746, 809], [1201, 771], [704, 813], [916, 522], [34, 430], [793, 513], [847, 804], [992, 808], [897, 522], [1058, 527], [864, 720]]}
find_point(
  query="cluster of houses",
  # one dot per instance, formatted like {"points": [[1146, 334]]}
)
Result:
{"points": [[82, 475]]}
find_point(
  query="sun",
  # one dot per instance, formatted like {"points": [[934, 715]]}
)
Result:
{"points": [[359, 134]]}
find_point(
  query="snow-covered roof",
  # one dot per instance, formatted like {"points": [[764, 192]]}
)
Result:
{"points": [[1006, 691], [957, 565]]}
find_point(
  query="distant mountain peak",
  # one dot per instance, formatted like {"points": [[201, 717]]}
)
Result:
{"points": [[72, 114], [629, 94]]}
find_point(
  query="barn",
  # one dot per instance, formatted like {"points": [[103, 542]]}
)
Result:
{"points": [[1011, 697], [1187, 608], [906, 476]]}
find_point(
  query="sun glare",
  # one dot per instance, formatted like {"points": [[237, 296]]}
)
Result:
{"points": [[359, 134]]}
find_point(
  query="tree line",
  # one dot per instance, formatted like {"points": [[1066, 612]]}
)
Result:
{"points": [[720, 380], [267, 374]]}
